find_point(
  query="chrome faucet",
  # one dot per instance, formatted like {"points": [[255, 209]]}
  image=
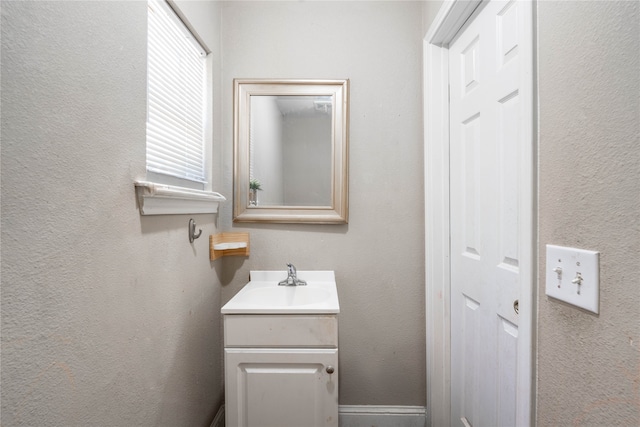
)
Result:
{"points": [[292, 278]]}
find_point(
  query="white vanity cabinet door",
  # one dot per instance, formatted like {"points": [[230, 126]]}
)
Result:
{"points": [[281, 387]]}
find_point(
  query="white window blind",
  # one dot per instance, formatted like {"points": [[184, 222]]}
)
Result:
{"points": [[176, 105]]}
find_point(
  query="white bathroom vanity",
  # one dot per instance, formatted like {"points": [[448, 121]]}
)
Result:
{"points": [[281, 352]]}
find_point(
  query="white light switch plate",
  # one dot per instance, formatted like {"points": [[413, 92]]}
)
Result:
{"points": [[566, 267]]}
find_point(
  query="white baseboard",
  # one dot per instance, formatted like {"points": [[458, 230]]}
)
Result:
{"points": [[367, 416], [382, 416]]}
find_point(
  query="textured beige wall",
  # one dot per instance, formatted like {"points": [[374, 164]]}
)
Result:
{"points": [[430, 9], [108, 318], [379, 256], [589, 86]]}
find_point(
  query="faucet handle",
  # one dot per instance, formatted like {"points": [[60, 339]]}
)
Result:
{"points": [[292, 269]]}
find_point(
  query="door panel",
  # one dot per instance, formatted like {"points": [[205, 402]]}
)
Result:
{"points": [[487, 143], [281, 387]]}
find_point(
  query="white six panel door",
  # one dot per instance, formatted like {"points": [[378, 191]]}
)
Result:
{"points": [[488, 145]]}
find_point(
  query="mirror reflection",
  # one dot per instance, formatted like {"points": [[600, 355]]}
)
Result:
{"points": [[290, 150]]}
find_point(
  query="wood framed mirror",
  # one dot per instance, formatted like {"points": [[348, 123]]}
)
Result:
{"points": [[291, 151]]}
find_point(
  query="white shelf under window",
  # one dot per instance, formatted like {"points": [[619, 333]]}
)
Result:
{"points": [[162, 199]]}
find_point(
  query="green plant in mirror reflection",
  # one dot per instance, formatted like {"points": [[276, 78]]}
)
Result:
{"points": [[254, 184]]}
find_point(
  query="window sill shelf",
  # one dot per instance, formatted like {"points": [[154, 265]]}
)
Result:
{"points": [[162, 199]]}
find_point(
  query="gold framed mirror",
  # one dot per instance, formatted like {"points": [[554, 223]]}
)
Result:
{"points": [[291, 151]]}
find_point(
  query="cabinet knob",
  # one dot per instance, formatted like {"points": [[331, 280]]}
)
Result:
{"points": [[330, 370]]}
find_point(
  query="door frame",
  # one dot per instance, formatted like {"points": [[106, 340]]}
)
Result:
{"points": [[451, 17]]}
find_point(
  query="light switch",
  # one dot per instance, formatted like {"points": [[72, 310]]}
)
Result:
{"points": [[573, 276]]}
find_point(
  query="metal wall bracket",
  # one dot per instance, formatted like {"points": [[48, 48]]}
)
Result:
{"points": [[192, 231]]}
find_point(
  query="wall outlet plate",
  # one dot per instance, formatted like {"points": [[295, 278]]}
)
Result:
{"points": [[573, 276]]}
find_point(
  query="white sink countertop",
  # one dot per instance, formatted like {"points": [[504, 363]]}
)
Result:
{"points": [[262, 295]]}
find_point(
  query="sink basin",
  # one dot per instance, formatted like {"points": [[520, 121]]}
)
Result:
{"points": [[287, 295], [263, 295]]}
